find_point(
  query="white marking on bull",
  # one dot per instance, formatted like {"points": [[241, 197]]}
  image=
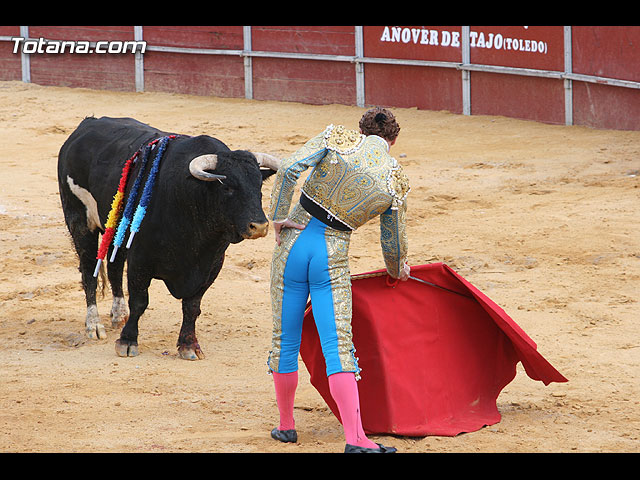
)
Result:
{"points": [[92, 323], [119, 312], [93, 220]]}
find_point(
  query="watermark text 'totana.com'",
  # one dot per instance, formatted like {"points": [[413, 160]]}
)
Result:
{"points": [[41, 45]]}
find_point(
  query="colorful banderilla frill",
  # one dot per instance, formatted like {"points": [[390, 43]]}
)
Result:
{"points": [[146, 193], [113, 220], [128, 209]]}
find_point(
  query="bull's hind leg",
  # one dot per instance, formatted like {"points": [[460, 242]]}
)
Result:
{"points": [[127, 344], [119, 310], [87, 248], [82, 221]]}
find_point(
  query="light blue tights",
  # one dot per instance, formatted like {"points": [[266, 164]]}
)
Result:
{"points": [[307, 273]]}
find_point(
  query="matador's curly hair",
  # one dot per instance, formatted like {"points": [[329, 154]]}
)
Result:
{"points": [[380, 121]]}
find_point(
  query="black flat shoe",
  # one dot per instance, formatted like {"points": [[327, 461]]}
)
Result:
{"points": [[286, 436], [382, 449]]}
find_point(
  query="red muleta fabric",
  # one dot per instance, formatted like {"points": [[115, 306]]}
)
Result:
{"points": [[433, 361]]}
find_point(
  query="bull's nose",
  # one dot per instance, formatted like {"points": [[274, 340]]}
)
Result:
{"points": [[257, 230]]}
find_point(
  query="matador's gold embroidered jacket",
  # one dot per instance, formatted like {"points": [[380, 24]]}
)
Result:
{"points": [[354, 179]]}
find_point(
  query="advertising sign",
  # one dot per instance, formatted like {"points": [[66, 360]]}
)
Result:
{"points": [[537, 47]]}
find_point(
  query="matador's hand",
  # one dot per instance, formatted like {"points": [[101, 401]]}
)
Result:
{"points": [[278, 226], [404, 274]]}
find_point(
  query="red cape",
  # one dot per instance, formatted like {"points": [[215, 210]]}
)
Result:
{"points": [[433, 361]]}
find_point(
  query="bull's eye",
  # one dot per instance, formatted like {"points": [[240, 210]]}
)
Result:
{"points": [[227, 189]]}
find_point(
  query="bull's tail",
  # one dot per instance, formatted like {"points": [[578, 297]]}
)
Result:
{"points": [[102, 280]]}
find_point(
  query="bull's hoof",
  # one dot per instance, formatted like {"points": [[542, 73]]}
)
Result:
{"points": [[190, 353], [126, 349], [96, 331]]}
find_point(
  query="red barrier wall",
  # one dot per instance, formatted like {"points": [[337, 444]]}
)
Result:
{"points": [[217, 75], [531, 98], [613, 52], [605, 51], [108, 72], [413, 86], [10, 63], [306, 81]]}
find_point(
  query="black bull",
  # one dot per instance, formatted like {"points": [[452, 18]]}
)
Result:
{"points": [[204, 198]]}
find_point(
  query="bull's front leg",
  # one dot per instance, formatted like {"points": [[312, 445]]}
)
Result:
{"points": [[188, 347]]}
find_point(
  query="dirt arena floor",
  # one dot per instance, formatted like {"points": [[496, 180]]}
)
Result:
{"points": [[541, 218]]}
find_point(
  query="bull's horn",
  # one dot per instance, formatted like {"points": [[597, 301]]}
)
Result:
{"points": [[268, 161], [198, 165]]}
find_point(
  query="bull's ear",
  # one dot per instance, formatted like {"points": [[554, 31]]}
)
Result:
{"points": [[266, 173]]}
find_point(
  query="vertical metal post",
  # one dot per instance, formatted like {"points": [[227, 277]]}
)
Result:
{"points": [[359, 66], [24, 58], [139, 60], [248, 64], [466, 74], [568, 85]]}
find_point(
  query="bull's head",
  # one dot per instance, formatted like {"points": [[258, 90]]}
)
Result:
{"points": [[240, 185]]}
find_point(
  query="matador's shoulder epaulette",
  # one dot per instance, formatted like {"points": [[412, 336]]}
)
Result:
{"points": [[342, 140], [398, 186]]}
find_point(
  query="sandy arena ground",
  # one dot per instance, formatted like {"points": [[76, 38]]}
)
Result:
{"points": [[541, 218]]}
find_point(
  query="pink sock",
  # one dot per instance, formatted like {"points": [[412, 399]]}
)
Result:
{"points": [[285, 385], [344, 391]]}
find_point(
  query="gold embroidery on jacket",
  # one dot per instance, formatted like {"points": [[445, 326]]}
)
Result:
{"points": [[398, 186], [353, 186], [354, 179], [393, 238], [341, 140]]}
